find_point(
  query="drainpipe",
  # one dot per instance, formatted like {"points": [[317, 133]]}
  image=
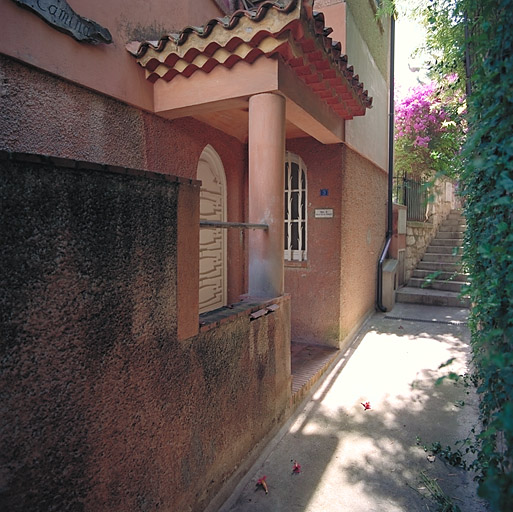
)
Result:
{"points": [[388, 236]]}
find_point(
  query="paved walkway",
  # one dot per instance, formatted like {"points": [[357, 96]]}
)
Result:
{"points": [[360, 460]]}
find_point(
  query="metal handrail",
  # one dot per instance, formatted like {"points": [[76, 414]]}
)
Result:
{"points": [[236, 225]]}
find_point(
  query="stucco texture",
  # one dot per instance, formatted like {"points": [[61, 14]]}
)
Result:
{"points": [[364, 214], [106, 68], [315, 316], [44, 115], [375, 33], [103, 408], [335, 289]]}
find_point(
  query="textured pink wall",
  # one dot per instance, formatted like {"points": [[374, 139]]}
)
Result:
{"points": [[364, 210], [343, 251], [315, 316], [108, 69], [103, 407], [174, 147], [41, 114]]}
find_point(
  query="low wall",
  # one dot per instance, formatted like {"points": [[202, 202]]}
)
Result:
{"points": [[420, 234], [418, 237], [103, 407], [43, 114]]}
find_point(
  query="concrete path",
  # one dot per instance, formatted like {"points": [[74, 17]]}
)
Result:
{"points": [[359, 460]]}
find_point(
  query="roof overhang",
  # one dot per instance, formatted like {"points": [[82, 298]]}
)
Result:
{"points": [[210, 72]]}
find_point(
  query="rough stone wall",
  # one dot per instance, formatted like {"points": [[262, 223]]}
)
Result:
{"points": [[441, 205], [420, 234], [364, 219], [44, 115], [418, 237], [102, 407]]}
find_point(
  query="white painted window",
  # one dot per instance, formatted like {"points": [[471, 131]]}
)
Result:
{"points": [[295, 208]]}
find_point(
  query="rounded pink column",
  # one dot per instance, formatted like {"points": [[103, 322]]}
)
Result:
{"points": [[266, 193]]}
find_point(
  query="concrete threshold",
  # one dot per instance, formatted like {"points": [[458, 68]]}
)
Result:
{"points": [[424, 313], [308, 364]]}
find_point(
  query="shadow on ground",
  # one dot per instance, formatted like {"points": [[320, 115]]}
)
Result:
{"points": [[368, 460]]}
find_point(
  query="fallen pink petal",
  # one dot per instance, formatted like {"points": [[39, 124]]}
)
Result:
{"points": [[296, 468], [262, 482]]}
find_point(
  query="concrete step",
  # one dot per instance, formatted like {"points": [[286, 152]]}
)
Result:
{"points": [[441, 258], [448, 242], [457, 235], [437, 265], [438, 314], [444, 249], [456, 228], [431, 297], [440, 274], [436, 284], [454, 222]]}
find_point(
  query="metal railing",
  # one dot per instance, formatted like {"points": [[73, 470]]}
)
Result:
{"points": [[414, 195], [235, 225]]}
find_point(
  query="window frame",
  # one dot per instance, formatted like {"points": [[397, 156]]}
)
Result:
{"points": [[301, 253]]}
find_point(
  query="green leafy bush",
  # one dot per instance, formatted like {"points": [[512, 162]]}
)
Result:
{"points": [[474, 39], [488, 191]]}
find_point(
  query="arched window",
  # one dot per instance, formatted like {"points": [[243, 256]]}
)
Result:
{"points": [[295, 208], [212, 285]]}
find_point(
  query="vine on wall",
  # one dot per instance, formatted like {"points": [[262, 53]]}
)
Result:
{"points": [[487, 182], [474, 39]]}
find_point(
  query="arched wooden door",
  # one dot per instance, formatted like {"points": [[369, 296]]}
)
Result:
{"points": [[212, 285]]}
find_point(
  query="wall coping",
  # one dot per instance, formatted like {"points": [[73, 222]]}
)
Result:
{"points": [[69, 163], [248, 306], [417, 224]]}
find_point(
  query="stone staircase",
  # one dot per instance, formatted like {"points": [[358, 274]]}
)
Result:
{"points": [[438, 278]]}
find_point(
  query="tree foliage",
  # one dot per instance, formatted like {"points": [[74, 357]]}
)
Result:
{"points": [[429, 131]]}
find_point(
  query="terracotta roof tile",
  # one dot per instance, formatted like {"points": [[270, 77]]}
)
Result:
{"points": [[289, 28]]}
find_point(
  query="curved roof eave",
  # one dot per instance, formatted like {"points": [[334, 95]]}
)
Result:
{"points": [[290, 29]]}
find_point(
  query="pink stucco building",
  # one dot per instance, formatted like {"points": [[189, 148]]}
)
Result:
{"points": [[183, 194]]}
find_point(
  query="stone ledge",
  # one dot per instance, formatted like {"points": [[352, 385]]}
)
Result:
{"points": [[246, 307], [91, 166], [417, 224]]}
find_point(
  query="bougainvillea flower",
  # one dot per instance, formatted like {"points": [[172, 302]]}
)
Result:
{"points": [[366, 406], [296, 468], [263, 483]]}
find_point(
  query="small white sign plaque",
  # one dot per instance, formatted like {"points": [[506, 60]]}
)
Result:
{"points": [[323, 213]]}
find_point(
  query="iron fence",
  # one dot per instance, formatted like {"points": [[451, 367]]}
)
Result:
{"points": [[413, 194]]}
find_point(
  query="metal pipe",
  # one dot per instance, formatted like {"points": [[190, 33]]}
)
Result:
{"points": [[237, 225], [388, 235]]}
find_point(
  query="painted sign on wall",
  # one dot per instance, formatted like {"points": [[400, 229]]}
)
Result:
{"points": [[61, 16], [323, 213]]}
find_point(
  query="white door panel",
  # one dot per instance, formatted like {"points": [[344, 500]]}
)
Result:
{"points": [[212, 287]]}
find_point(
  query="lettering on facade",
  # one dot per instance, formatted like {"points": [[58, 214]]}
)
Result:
{"points": [[61, 16], [323, 213]]}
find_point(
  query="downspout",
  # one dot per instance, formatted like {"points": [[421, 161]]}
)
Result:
{"points": [[388, 236]]}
